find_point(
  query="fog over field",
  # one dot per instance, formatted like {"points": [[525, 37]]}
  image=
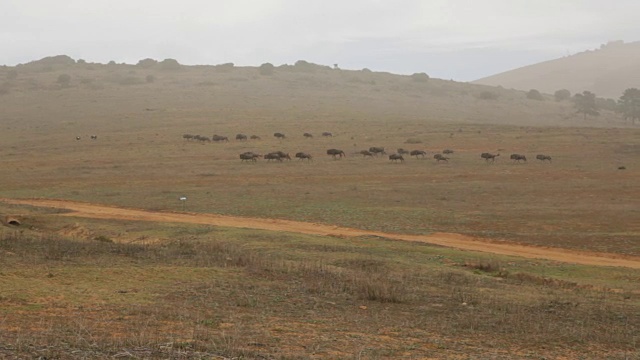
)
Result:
{"points": [[460, 40]]}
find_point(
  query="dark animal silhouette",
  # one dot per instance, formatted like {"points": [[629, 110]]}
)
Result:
{"points": [[327, 134], [279, 135], [396, 157], [255, 137], [282, 155], [249, 156], [417, 153], [218, 138], [335, 153], [241, 137], [518, 157], [302, 156], [447, 151], [307, 135], [487, 156], [440, 157], [94, 137], [273, 156], [366, 153], [187, 137], [377, 150], [543, 157]]}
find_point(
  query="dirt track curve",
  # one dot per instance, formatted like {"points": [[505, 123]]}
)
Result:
{"points": [[457, 241]]}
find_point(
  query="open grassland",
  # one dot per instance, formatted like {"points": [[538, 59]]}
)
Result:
{"points": [[103, 289], [90, 289]]}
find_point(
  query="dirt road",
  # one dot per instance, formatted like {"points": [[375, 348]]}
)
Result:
{"points": [[456, 241]]}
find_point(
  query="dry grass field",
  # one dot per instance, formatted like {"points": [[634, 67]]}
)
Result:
{"points": [[103, 288]]}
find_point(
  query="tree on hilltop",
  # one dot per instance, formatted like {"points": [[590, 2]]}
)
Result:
{"points": [[629, 104], [586, 104]]}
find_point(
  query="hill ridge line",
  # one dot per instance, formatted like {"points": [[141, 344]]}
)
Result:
{"points": [[451, 240]]}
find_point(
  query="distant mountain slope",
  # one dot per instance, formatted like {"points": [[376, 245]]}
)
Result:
{"points": [[607, 72]]}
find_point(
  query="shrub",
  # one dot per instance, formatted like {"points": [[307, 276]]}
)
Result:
{"points": [[147, 63], [64, 79], [488, 95], [227, 67], [420, 77], [562, 95], [366, 70], [534, 94], [111, 62], [266, 69], [81, 62], [170, 64], [12, 74]]}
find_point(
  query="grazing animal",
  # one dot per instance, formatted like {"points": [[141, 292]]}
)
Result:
{"points": [[94, 137], [307, 135], [402, 151], [377, 150], [440, 157], [447, 151], [518, 157], [282, 155], [366, 153], [255, 137], [241, 137], [417, 153], [249, 156], [78, 138], [327, 134], [273, 156], [543, 157], [396, 157], [487, 156], [187, 137], [279, 135], [219, 138], [335, 153], [302, 156]]}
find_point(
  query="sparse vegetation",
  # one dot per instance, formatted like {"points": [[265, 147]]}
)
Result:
{"points": [[420, 77], [585, 104], [147, 63], [629, 104], [266, 69], [562, 95], [169, 65], [534, 94], [64, 79]]}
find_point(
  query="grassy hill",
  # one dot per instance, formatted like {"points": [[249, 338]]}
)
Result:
{"points": [[305, 92], [607, 72]]}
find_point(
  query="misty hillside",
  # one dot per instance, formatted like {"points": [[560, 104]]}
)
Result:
{"points": [[607, 72], [62, 88]]}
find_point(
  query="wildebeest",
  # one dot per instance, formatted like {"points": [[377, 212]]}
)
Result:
{"points": [[272, 156], [279, 135], [377, 150], [366, 153], [307, 135], [447, 151], [402, 151], [440, 157], [396, 157], [282, 155], [518, 157], [255, 137], [201, 138], [543, 157], [241, 137], [417, 153], [187, 137], [216, 138], [249, 156], [327, 134], [335, 153], [487, 156], [303, 155]]}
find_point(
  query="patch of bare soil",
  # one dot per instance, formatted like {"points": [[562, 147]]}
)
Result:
{"points": [[78, 209]]}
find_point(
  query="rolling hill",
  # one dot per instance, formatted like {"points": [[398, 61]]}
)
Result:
{"points": [[607, 72]]}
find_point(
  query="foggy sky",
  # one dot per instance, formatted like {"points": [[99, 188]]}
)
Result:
{"points": [[450, 39]]}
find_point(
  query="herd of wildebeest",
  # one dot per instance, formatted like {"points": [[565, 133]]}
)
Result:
{"points": [[374, 151]]}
